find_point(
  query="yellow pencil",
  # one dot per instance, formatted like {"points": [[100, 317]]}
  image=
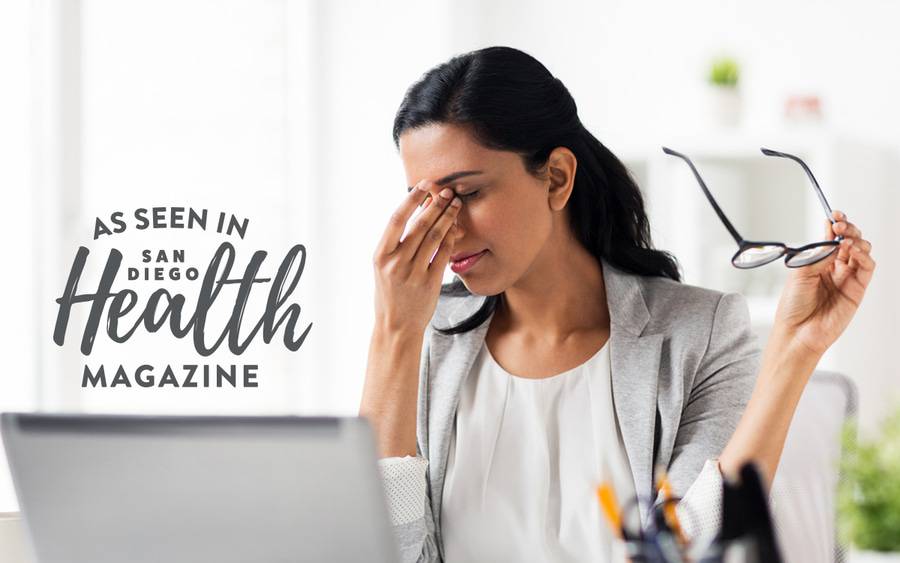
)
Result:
{"points": [[607, 498], [664, 486]]}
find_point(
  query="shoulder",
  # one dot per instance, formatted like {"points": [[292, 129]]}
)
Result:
{"points": [[706, 330], [678, 306]]}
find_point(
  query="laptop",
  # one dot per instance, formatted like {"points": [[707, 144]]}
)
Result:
{"points": [[133, 488]]}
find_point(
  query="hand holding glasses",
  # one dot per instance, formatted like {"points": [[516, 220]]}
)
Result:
{"points": [[752, 254]]}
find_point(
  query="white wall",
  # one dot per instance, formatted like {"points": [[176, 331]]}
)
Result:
{"points": [[637, 68], [18, 339], [284, 110], [637, 72]]}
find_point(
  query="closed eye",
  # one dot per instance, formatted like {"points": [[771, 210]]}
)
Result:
{"points": [[469, 195]]}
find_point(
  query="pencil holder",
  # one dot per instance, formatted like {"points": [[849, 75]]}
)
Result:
{"points": [[658, 542], [651, 551]]}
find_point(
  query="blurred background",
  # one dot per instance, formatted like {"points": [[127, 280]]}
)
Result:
{"points": [[281, 111]]}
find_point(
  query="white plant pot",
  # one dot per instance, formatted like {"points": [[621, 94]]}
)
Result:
{"points": [[873, 557], [725, 106]]}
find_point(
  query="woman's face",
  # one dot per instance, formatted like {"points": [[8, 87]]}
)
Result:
{"points": [[506, 211]]}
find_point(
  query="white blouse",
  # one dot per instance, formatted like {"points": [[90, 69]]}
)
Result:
{"points": [[530, 460], [523, 466]]}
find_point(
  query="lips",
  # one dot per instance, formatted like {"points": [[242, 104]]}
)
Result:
{"points": [[464, 255], [462, 262]]}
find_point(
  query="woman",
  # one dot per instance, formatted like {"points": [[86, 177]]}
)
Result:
{"points": [[566, 351]]}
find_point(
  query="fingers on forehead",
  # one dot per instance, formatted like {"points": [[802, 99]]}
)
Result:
{"points": [[428, 186], [416, 188], [434, 188], [417, 196]]}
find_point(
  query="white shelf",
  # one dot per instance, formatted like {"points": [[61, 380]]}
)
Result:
{"points": [[768, 198]]}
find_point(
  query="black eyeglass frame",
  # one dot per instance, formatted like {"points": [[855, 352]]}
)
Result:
{"points": [[743, 244]]}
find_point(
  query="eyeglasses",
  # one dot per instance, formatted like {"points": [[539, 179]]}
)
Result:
{"points": [[752, 254]]}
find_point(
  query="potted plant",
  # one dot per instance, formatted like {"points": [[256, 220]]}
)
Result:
{"points": [[869, 493], [723, 77]]}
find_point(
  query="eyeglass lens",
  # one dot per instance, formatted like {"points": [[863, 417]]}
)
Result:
{"points": [[810, 255], [758, 255]]}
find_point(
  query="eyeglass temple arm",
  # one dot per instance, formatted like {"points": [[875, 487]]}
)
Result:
{"points": [[828, 211], [737, 237]]}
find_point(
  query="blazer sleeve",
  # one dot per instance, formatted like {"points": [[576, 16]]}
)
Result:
{"points": [[719, 394], [409, 507], [408, 491]]}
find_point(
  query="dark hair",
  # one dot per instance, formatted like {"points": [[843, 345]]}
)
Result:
{"points": [[510, 101]]}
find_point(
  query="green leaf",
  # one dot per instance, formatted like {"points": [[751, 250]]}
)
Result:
{"points": [[725, 71], [869, 494]]}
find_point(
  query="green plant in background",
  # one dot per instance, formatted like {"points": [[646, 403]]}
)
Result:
{"points": [[724, 71], [869, 494]]}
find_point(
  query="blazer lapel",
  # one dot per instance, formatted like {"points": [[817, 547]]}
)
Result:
{"points": [[634, 362], [445, 382]]}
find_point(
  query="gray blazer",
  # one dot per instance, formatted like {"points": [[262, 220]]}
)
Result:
{"points": [[684, 361]]}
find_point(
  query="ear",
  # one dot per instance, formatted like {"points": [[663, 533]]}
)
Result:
{"points": [[561, 166]]}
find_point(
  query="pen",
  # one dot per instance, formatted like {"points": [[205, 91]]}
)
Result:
{"points": [[607, 498], [665, 487]]}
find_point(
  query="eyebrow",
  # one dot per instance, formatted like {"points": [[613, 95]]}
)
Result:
{"points": [[450, 177]]}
